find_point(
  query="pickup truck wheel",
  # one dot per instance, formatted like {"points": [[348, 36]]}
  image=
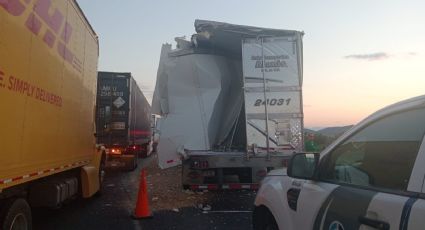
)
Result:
{"points": [[16, 215], [263, 219]]}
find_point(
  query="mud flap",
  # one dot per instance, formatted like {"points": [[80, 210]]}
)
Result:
{"points": [[89, 181]]}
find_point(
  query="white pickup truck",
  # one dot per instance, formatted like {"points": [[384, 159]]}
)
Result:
{"points": [[372, 177]]}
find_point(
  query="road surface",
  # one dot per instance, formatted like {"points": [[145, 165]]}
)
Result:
{"points": [[113, 209]]}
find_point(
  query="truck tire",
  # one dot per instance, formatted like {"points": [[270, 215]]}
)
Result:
{"points": [[16, 215], [102, 168], [133, 164], [262, 219]]}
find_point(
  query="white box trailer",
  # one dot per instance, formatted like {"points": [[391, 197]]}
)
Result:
{"points": [[230, 102]]}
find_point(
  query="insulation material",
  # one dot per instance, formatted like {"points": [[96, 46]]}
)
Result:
{"points": [[199, 98]]}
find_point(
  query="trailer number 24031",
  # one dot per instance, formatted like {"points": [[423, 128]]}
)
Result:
{"points": [[273, 102]]}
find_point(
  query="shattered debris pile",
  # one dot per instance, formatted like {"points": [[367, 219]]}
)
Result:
{"points": [[166, 192]]}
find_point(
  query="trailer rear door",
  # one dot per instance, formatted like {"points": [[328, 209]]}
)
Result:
{"points": [[273, 100]]}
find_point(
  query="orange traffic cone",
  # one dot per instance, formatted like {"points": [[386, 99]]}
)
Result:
{"points": [[142, 206]]}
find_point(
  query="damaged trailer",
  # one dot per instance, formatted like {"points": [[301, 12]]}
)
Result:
{"points": [[230, 102]]}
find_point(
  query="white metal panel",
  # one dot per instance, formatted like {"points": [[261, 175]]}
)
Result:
{"points": [[192, 88], [416, 219], [312, 197], [159, 99], [277, 102], [387, 208], [273, 92], [191, 97], [281, 62]]}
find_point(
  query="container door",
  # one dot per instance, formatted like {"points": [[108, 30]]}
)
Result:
{"points": [[272, 71]]}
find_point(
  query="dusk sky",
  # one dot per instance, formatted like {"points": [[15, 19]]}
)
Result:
{"points": [[359, 56]]}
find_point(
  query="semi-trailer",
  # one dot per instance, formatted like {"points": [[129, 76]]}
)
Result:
{"points": [[123, 119], [48, 67], [230, 102]]}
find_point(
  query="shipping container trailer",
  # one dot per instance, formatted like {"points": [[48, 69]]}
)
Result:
{"points": [[123, 119]]}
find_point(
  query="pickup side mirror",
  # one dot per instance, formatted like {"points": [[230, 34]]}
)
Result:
{"points": [[303, 165]]}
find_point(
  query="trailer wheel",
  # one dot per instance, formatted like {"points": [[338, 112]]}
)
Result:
{"points": [[133, 164], [102, 167], [16, 215]]}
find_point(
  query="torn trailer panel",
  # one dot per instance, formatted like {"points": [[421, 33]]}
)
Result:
{"points": [[230, 89]]}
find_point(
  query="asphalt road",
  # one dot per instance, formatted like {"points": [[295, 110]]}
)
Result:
{"points": [[228, 211], [113, 209]]}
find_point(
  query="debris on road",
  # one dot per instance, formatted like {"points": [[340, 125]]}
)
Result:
{"points": [[164, 186], [189, 192], [207, 208]]}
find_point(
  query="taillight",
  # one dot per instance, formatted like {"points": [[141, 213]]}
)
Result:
{"points": [[115, 151]]}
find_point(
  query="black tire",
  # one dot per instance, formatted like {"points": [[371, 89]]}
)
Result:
{"points": [[133, 165], [186, 187], [144, 152], [102, 167], [262, 219], [16, 215]]}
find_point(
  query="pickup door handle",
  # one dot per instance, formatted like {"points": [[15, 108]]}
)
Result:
{"points": [[374, 223]]}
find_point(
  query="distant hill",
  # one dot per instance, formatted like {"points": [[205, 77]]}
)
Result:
{"points": [[309, 131], [325, 136], [334, 131]]}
